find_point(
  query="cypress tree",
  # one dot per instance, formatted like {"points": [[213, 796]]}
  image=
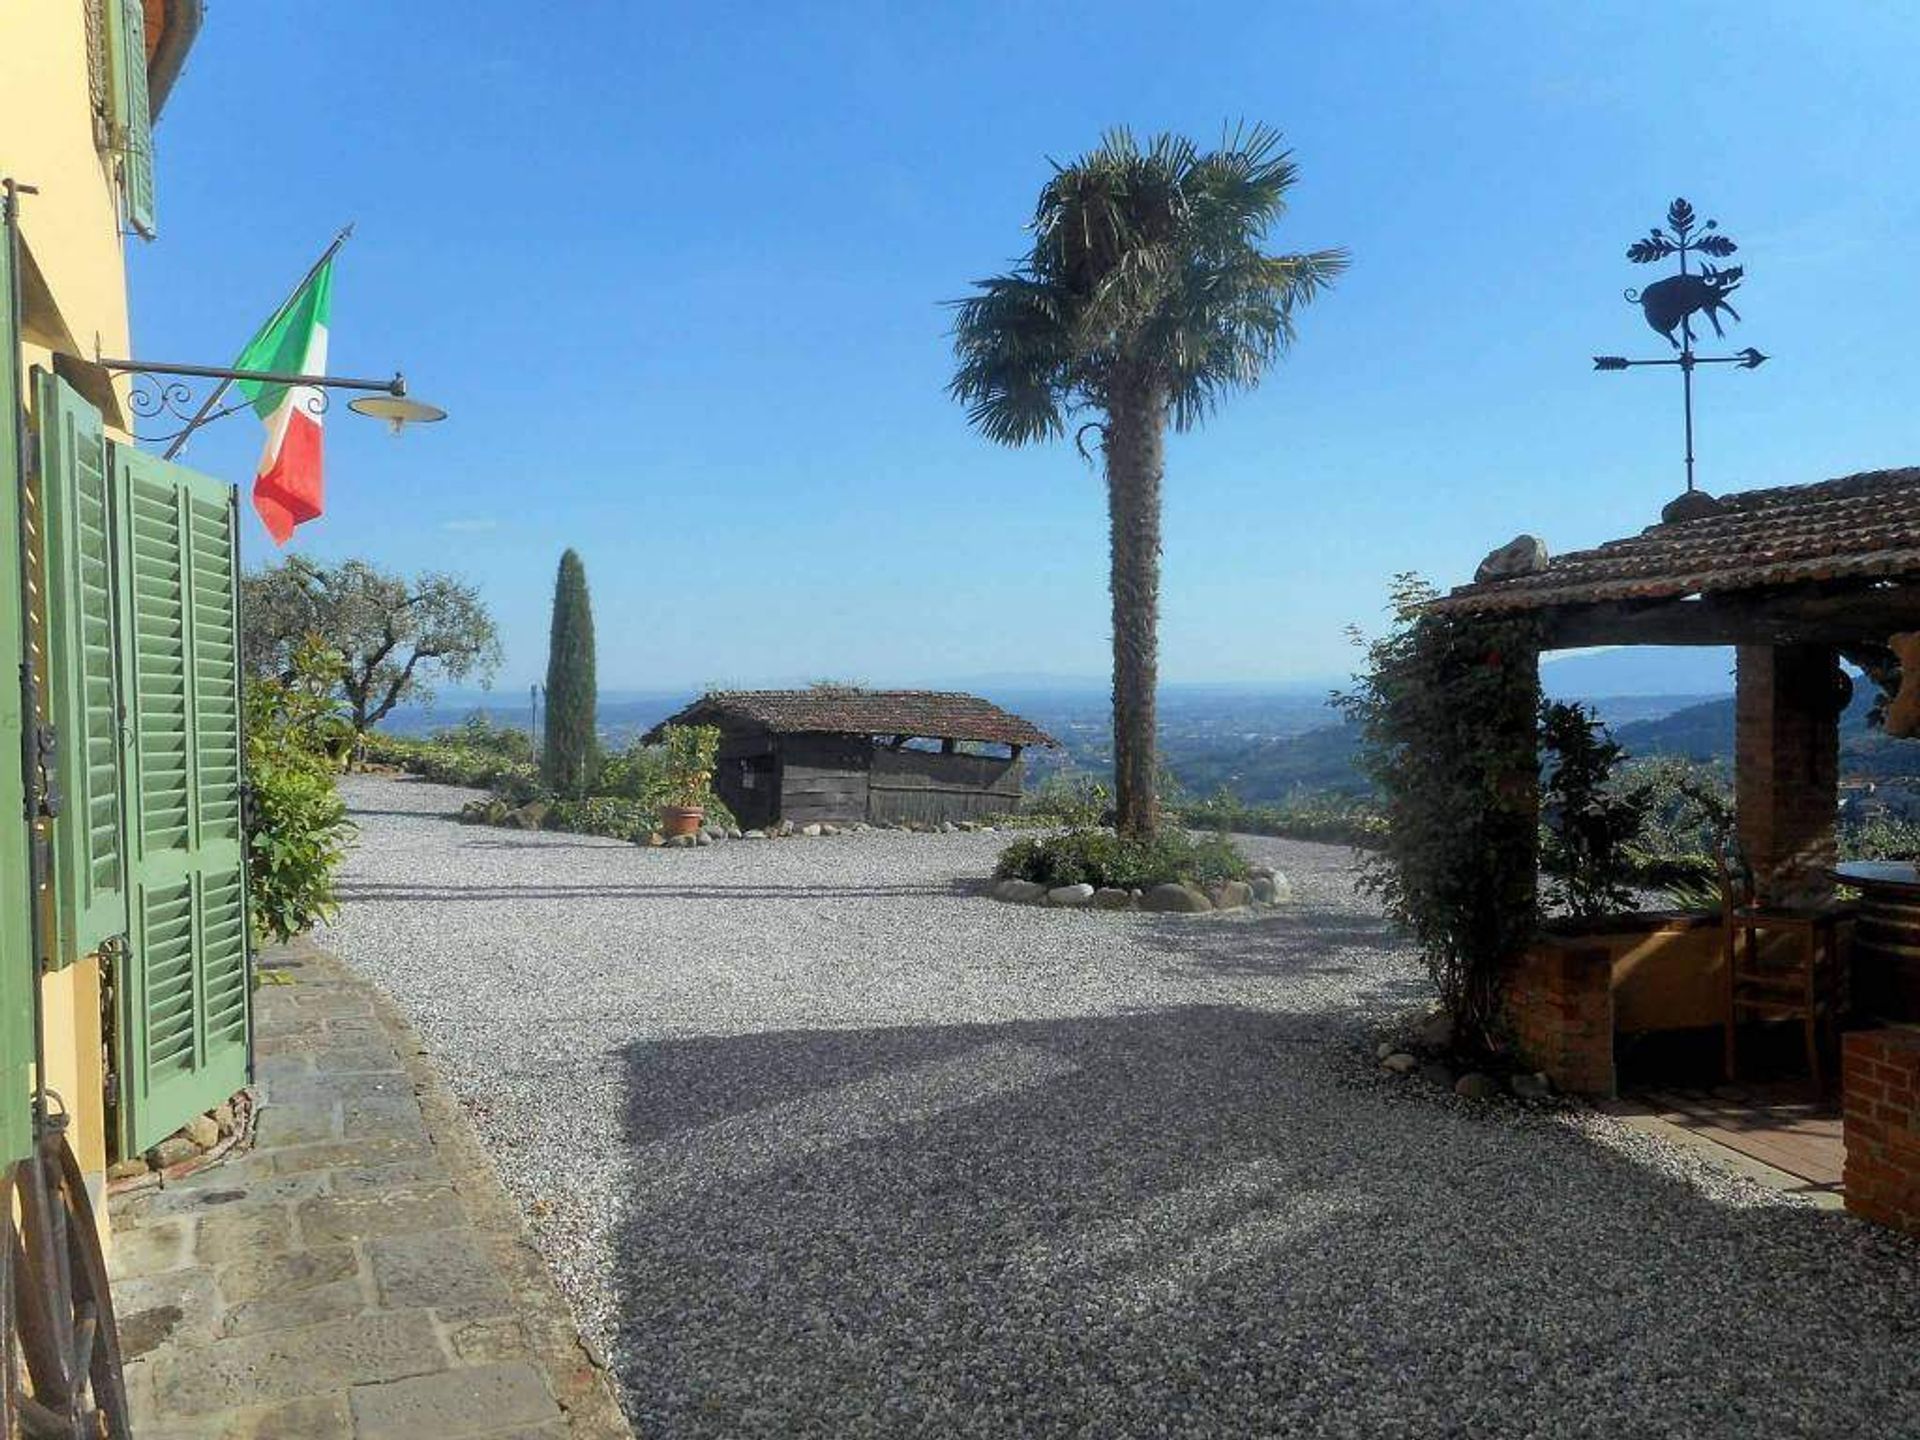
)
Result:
{"points": [[568, 761]]}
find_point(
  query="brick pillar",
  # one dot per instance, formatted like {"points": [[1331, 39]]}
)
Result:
{"points": [[1787, 769], [1880, 1072], [1557, 1003]]}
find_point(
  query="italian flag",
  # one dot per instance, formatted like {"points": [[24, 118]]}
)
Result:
{"points": [[287, 489]]}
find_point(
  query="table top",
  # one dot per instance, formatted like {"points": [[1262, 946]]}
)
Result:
{"points": [[1879, 874]]}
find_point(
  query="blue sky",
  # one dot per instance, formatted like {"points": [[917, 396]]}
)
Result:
{"points": [[677, 273]]}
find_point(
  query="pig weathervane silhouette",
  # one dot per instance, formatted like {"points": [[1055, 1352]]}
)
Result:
{"points": [[1671, 304]]}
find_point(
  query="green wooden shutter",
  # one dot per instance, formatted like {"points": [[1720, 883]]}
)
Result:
{"points": [[76, 569], [184, 1016], [131, 117], [17, 966]]}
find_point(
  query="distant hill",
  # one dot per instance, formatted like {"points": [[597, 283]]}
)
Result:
{"points": [[1638, 670], [1705, 732], [1698, 732], [1267, 744]]}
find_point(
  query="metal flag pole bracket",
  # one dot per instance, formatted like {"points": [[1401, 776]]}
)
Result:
{"points": [[161, 388], [1670, 305]]}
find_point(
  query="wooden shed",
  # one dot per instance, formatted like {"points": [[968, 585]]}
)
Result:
{"points": [[845, 755]]}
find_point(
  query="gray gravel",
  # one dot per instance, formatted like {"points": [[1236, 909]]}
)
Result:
{"points": [[820, 1143]]}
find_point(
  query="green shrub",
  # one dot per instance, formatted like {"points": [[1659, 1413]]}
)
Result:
{"points": [[476, 754], [1591, 830], [1447, 708], [1880, 838], [1074, 799], [691, 753], [639, 772], [1088, 856], [1325, 817], [296, 840], [297, 826], [629, 790], [608, 815]]}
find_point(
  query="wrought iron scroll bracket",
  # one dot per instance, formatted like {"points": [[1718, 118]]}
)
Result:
{"points": [[165, 393]]}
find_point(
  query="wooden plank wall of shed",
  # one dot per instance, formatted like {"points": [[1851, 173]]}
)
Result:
{"points": [[926, 787], [746, 776], [824, 777]]}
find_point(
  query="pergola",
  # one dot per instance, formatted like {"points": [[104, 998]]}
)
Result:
{"points": [[1796, 578]]}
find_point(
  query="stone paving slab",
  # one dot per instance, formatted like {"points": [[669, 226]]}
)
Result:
{"points": [[359, 1272]]}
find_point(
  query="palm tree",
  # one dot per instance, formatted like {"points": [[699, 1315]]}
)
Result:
{"points": [[1145, 298]]}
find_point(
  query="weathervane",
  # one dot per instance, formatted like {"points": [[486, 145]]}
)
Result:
{"points": [[1671, 304]]}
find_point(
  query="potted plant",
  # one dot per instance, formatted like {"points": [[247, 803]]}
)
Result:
{"points": [[691, 751]]}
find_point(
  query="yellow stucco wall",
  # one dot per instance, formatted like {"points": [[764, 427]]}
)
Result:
{"points": [[47, 139], [71, 228]]}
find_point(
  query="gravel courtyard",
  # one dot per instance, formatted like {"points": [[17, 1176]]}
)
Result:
{"points": [[821, 1143]]}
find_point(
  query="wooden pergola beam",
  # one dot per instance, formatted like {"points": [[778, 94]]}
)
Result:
{"points": [[1822, 616]]}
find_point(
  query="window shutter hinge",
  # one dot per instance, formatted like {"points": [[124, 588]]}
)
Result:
{"points": [[46, 783]]}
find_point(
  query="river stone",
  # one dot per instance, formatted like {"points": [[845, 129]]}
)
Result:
{"points": [[174, 1150], [529, 816], [1070, 894], [1476, 1086], [1436, 1031], [203, 1130], [1111, 899], [1175, 900], [1020, 892], [1232, 895], [813, 829], [1531, 1087], [1434, 1073], [1400, 1063]]}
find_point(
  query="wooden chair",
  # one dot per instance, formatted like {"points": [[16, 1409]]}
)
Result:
{"points": [[1797, 981]]}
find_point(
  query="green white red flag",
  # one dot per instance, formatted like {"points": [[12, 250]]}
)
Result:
{"points": [[287, 488]]}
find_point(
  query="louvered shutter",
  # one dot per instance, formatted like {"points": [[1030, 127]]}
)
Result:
{"points": [[16, 939], [131, 115], [76, 570], [184, 1017]]}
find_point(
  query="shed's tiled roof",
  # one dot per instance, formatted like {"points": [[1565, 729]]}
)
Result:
{"points": [[1861, 527], [937, 714]]}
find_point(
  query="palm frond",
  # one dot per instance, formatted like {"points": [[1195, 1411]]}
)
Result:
{"points": [[1147, 260], [1013, 349]]}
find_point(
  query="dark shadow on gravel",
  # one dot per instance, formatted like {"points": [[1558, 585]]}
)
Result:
{"points": [[366, 892], [1189, 1223], [448, 815]]}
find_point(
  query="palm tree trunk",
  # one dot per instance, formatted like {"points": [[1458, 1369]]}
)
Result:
{"points": [[1136, 458]]}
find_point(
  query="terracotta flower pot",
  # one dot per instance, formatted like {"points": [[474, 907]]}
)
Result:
{"points": [[681, 819]]}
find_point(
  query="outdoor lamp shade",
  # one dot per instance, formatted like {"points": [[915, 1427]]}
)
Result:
{"points": [[397, 410]]}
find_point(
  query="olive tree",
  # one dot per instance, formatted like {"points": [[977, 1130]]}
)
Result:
{"points": [[394, 636]]}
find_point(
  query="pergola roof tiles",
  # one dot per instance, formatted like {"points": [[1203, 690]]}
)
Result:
{"points": [[1863, 527]]}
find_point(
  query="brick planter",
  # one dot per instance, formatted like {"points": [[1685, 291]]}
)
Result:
{"points": [[1880, 1077], [1572, 993]]}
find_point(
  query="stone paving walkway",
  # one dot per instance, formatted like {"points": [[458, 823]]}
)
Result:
{"points": [[359, 1272]]}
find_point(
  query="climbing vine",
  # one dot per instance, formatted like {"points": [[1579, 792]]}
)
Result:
{"points": [[1446, 707]]}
